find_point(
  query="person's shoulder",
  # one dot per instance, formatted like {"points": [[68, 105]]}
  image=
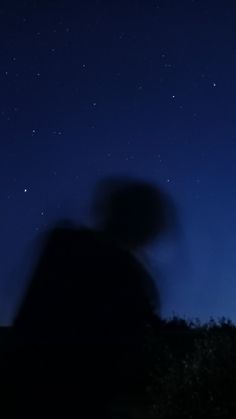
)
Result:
{"points": [[67, 228], [69, 234]]}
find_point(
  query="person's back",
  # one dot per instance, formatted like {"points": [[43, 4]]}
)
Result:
{"points": [[84, 288], [86, 301]]}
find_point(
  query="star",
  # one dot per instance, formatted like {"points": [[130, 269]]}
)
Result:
{"points": [[57, 132]]}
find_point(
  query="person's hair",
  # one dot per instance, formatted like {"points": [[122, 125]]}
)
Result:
{"points": [[134, 211]]}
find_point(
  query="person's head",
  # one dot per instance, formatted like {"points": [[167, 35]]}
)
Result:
{"points": [[133, 212]]}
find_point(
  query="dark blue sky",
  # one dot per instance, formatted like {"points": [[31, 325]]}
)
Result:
{"points": [[146, 88]]}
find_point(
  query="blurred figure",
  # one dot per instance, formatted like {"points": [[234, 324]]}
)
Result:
{"points": [[82, 328]]}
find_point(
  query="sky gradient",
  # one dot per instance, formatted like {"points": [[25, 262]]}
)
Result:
{"points": [[142, 88]]}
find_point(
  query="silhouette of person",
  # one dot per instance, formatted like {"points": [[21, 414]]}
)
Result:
{"points": [[90, 302]]}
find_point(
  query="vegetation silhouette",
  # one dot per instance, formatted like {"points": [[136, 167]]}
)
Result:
{"points": [[90, 305], [193, 371]]}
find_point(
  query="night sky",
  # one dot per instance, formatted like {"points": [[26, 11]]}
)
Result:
{"points": [[143, 88]]}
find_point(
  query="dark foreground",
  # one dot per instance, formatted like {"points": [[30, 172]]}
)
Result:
{"points": [[192, 374]]}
